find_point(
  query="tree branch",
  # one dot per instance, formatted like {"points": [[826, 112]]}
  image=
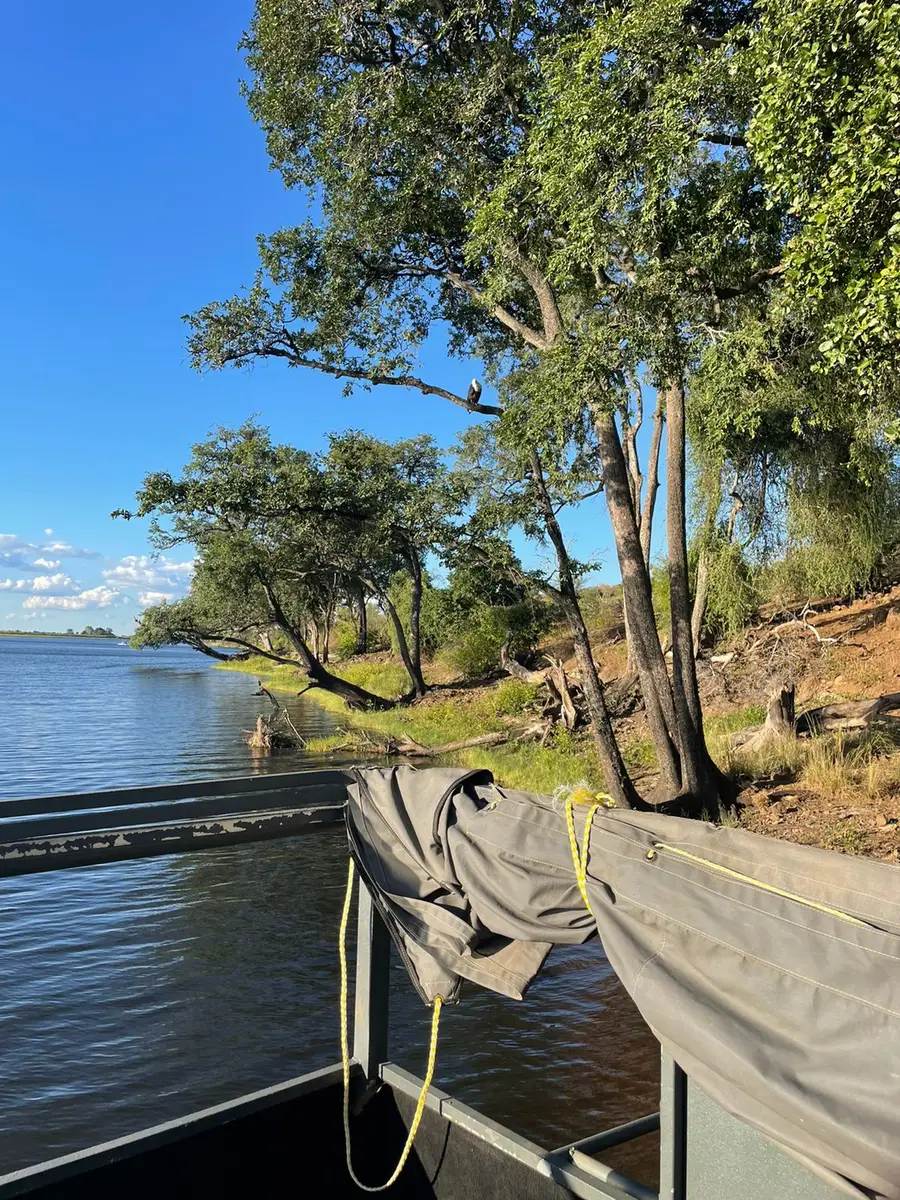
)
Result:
{"points": [[503, 315], [544, 294], [724, 139], [748, 284], [272, 349]]}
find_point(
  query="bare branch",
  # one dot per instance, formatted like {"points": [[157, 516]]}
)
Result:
{"points": [[273, 349]]}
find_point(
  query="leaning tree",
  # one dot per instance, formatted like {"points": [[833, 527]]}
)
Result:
{"points": [[275, 527]]}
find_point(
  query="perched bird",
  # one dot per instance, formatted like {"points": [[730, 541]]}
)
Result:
{"points": [[474, 394]]}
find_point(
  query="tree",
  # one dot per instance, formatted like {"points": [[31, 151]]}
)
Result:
{"points": [[515, 486], [282, 535], [254, 513], [402, 503], [460, 199]]}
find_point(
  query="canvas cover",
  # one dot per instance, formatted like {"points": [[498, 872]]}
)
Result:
{"points": [[769, 971]]}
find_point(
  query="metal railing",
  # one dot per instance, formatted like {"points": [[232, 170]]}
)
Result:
{"points": [[71, 830]]}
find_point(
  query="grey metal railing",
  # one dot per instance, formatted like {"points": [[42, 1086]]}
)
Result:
{"points": [[79, 829]]}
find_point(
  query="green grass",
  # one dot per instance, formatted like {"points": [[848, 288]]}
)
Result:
{"points": [[565, 759]]}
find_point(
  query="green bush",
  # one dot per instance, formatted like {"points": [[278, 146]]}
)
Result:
{"points": [[476, 650], [343, 639]]}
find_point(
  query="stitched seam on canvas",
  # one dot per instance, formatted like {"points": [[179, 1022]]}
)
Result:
{"points": [[775, 916], [763, 961]]}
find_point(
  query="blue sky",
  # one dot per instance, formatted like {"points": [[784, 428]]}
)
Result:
{"points": [[134, 185]]}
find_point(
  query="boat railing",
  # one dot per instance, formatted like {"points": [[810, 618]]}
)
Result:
{"points": [[75, 830]]}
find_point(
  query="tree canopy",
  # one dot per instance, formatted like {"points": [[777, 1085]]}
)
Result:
{"points": [[590, 199]]}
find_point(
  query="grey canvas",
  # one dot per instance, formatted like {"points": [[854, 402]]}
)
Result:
{"points": [[770, 971]]}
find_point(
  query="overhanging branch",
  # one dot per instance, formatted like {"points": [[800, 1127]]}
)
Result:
{"points": [[273, 350]]}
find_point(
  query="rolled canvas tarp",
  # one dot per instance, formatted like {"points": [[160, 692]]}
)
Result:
{"points": [[769, 971]]}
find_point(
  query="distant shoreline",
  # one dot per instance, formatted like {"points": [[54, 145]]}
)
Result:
{"points": [[39, 633]]}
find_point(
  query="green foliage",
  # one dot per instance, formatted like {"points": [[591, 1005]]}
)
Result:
{"points": [[659, 582], [510, 698], [825, 134], [475, 648], [733, 593], [344, 638], [602, 610], [384, 679]]}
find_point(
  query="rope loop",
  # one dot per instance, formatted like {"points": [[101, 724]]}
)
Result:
{"points": [[345, 1054]]}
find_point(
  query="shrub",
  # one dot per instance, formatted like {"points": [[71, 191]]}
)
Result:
{"points": [[343, 638], [476, 649]]}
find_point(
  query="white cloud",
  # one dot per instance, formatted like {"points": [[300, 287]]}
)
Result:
{"points": [[17, 554], [140, 570], [147, 598], [56, 585], [98, 597], [48, 533], [65, 550]]}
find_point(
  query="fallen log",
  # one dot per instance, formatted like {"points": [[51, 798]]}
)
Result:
{"points": [[849, 714], [514, 668], [412, 749], [828, 718]]}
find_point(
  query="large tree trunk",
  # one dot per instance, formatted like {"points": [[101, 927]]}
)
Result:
{"points": [[615, 772], [684, 673], [415, 612], [652, 481], [638, 600], [362, 619], [701, 592], [643, 514]]}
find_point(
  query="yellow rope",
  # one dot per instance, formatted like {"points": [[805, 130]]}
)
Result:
{"points": [[580, 857], [345, 1055], [766, 887]]}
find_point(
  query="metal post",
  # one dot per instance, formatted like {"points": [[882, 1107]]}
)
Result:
{"points": [[370, 1014], [673, 1131]]}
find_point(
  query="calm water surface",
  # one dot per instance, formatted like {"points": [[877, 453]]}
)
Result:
{"points": [[133, 993]]}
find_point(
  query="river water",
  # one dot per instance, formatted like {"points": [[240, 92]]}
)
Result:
{"points": [[134, 993]]}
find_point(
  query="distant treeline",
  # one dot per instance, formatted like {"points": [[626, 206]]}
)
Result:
{"points": [[98, 631]]}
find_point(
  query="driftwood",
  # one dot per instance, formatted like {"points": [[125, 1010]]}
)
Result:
{"points": [[781, 720], [267, 738], [276, 733], [849, 714], [408, 748]]}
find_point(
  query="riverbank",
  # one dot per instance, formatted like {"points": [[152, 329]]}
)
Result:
{"points": [[450, 712], [840, 791]]}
